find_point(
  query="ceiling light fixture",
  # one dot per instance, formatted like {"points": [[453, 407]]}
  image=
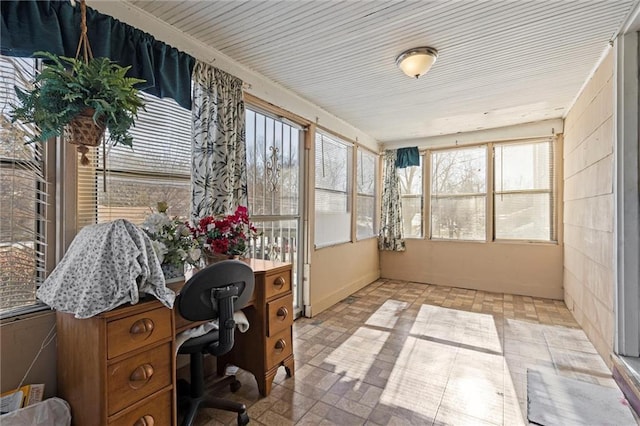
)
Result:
{"points": [[417, 61]]}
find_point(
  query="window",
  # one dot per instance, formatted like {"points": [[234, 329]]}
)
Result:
{"points": [[23, 199], [411, 199], [458, 194], [332, 190], [366, 171], [523, 191], [156, 169]]}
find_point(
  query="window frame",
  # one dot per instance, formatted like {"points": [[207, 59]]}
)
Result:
{"points": [[487, 202], [555, 208], [552, 191], [43, 161]]}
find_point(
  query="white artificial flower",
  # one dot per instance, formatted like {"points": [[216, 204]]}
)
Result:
{"points": [[182, 254], [155, 222], [159, 249], [194, 254]]}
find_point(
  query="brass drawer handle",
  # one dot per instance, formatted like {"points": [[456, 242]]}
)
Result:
{"points": [[282, 313], [278, 283], [146, 420], [141, 375], [280, 345], [142, 326]]}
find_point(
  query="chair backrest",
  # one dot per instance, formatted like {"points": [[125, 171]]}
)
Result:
{"points": [[201, 297]]}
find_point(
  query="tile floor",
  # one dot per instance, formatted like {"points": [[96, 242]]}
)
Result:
{"points": [[399, 353]]}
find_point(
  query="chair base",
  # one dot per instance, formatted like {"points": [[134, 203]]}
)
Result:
{"points": [[193, 403]]}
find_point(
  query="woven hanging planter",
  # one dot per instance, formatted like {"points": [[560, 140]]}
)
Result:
{"points": [[82, 130]]}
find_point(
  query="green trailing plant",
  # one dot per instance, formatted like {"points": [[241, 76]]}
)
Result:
{"points": [[68, 86]]}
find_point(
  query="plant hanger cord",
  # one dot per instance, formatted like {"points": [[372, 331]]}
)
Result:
{"points": [[83, 43]]}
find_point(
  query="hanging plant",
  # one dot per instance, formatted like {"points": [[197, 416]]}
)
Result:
{"points": [[80, 98]]}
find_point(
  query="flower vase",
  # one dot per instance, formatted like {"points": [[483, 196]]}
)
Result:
{"points": [[172, 272]]}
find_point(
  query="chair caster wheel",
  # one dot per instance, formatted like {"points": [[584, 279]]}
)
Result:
{"points": [[243, 419], [235, 386]]}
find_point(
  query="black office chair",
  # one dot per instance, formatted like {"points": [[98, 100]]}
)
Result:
{"points": [[214, 292]]}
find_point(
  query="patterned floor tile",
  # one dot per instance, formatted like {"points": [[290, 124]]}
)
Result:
{"points": [[404, 353]]}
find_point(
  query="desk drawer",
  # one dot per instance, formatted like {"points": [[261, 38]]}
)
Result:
{"points": [[134, 378], [277, 284], [279, 314], [136, 331], [156, 412], [279, 347]]}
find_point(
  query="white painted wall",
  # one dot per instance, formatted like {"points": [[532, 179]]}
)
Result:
{"points": [[589, 208]]}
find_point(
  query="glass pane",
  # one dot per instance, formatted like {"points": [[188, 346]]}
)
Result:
{"points": [[411, 197], [327, 201], [272, 166], [366, 173], [161, 141], [332, 164], [523, 216], [458, 218], [19, 279], [459, 171], [523, 166], [333, 220], [411, 180], [412, 216], [135, 198], [366, 216]]}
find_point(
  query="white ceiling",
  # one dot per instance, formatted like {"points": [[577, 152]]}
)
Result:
{"points": [[500, 62]]}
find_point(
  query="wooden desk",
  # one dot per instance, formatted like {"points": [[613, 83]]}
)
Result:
{"points": [[119, 367]]}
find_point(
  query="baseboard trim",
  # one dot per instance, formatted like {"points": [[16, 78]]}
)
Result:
{"points": [[342, 293]]}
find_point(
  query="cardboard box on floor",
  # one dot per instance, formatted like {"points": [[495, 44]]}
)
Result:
{"points": [[20, 398]]}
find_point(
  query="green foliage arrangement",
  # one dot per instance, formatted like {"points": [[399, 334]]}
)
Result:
{"points": [[68, 86]]}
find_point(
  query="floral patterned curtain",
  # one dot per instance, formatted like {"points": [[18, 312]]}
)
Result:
{"points": [[390, 237], [219, 175]]}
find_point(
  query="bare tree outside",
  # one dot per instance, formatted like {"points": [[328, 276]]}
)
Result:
{"points": [[458, 193]]}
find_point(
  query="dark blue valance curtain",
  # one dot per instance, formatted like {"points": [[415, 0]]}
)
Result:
{"points": [[407, 157], [54, 26]]}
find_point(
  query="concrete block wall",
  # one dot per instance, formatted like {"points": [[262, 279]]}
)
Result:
{"points": [[589, 244]]}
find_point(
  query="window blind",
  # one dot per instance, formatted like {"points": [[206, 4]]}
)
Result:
{"points": [[124, 182], [23, 200], [366, 172], [524, 199], [332, 190]]}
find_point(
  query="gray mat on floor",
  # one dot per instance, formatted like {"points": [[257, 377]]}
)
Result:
{"points": [[556, 400]]}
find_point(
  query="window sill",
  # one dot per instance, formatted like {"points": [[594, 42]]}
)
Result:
{"points": [[22, 312]]}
